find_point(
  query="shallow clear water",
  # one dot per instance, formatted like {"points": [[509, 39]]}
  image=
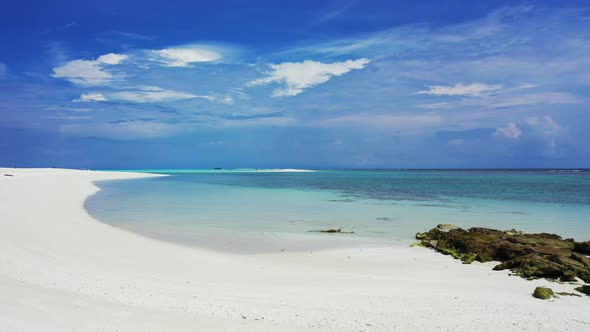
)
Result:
{"points": [[374, 204]]}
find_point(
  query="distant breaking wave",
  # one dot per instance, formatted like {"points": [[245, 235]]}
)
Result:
{"points": [[284, 170], [220, 170]]}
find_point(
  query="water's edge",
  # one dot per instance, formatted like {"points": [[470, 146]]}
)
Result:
{"points": [[274, 211]]}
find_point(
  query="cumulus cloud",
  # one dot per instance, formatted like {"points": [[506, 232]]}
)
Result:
{"points": [[545, 125], [472, 90], [542, 128], [89, 72], [511, 131], [301, 75], [184, 56], [91, 97], [148, 94]]}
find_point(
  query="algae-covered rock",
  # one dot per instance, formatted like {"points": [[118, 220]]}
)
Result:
{"points": [[582, 247], [584, 289], [543, 293], [446, 227], [527, 255]]}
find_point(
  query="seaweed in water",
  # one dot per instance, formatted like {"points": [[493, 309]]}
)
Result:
{"points": [[333, 230]]}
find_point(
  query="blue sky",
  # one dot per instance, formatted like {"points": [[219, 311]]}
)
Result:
{"points": [[332, 84]]}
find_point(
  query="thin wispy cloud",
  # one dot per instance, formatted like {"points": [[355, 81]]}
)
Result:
{"points": [[123, 35], [384, 121], [151, 94], [334, 14], [459, 89]]}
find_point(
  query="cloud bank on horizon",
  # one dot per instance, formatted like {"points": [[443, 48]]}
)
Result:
{"points": [[504, 86]]}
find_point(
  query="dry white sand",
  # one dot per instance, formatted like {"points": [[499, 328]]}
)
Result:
{"points": [[61, 270]]}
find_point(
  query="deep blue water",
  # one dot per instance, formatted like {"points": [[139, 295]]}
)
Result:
{"points": [[561, 187]]}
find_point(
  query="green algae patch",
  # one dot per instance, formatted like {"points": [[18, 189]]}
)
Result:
{"points": [[543, 293], [333, 231], [568, 294]]}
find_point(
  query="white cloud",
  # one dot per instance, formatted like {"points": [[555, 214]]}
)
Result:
{"points": [[301, 75], [90, 97], [89, 72], [472, 90], [511, 131], [226, 100], [184, 56], [148, 94], [112, 58]]}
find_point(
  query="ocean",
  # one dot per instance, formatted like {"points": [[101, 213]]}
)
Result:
{"points": [[230, 209]]}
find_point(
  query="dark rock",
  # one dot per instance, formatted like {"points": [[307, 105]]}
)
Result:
{"points": [[582, 247], [527, 255], [543, 293], [584, 289]]}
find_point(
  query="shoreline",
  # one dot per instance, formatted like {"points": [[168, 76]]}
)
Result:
{"points": [[68, 271]]}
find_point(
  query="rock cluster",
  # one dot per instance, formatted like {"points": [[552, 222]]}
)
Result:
{"points": [[527, 255]]}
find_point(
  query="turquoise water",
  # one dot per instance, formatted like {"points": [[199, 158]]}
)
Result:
{"points": [[391, 205]]}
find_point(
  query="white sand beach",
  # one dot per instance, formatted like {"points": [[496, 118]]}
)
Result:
{"points": [[61, 270]]}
